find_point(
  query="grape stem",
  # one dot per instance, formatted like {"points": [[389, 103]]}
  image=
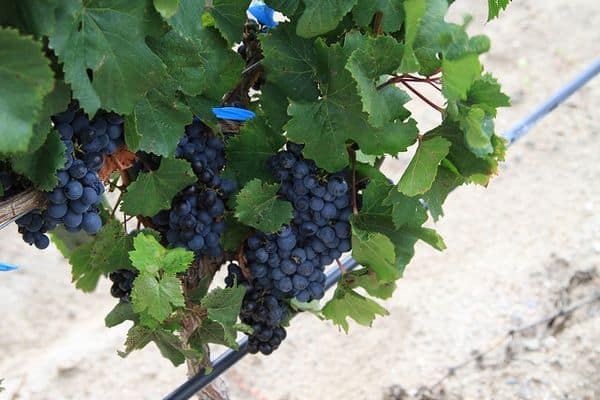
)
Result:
{"points": [[114, 210], [352, 154], [377, 23], [404, 79]]}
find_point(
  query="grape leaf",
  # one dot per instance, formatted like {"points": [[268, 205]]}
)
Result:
{"points": [[236, 233], [368, 280], [67, 242], [169, 345], [415, 11], [347, 303], [54, 102], [223, 304], [166, 8], [120, 313], [478, 129], [290, 63], [150, 256], [210, 331], [405, 210], [257, 205], [445, 182], [495, 6], [108, 252], [486, 94], [158, 123], [377, 252], [229, 17], [420, 173], [286, 7], [41, 165], [391, 10], [109, 41], [153, 191], [459, 75], [326, 125], [248, 152], [428, 235], [322, 16], [35, 16], [156, 296], [187, 19], [25, 78], [379, 56]]}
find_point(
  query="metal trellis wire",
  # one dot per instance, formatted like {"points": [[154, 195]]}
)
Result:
{"points": [[230, 357]]}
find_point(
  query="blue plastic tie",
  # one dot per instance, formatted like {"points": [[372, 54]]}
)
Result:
{"points": [[233, 113], [263, 14], [8, 267]]}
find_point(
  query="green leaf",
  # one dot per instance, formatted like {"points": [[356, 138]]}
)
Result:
{"points": [[248, 152], [25, 78], [326, 125], [349, 304], [153, 191], [187, 19], [137, 338], [379, 56], [37, 15], [286, 7], [229, 17], [55, 102], [445, 182], [258, 206], [108, 252], [41, 165], [377, 252], [322, 16], [406, 210], [368, 280], [109, 41], [486, 94], [479, 130], [429, 236], [120, 313], [158, 123], [290, 63], [150, 256], [495, 6], [169, 345], [210, 331], [391, 10], [166, 8], [415, 11], [156, 296], [223, 304], [236, 233], [67, 242], [459, 75], [421, 171]]}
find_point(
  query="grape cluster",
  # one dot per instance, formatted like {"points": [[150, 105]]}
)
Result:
{"points": [[291, 262], [122, 280], [195, 220], [74, 201], [262, 311]]}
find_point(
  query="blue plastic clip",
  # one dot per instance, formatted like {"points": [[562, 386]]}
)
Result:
{"points": [[7, 267], [263, 14], [233, 113]]}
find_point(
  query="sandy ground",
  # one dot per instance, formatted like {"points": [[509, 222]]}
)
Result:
{"points": [[517, 251]]}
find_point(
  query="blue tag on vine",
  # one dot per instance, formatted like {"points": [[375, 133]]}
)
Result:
{"points": [[233, 113], [7, 267], [263, 14]]}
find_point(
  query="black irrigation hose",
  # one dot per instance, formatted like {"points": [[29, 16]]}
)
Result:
{"points": [[230, 357]]}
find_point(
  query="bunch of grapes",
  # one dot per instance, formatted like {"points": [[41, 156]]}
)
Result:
{"points": [[74, 201], [262, 311], [291, 262], [122, 280], [195, 220]]}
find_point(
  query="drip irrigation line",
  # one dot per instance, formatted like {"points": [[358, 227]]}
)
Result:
{"points": [[525, 125], [230, 357]]}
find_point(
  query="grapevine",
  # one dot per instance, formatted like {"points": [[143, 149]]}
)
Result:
{"points": [[208, 140]]}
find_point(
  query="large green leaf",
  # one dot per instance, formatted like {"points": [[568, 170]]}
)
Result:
{"points": [[153, 191], [258, 206], [41, 165], [421, 171], [287, 7], [25, 78], [459, 75], [166, 8], [391, 10], [156, 296], [229, 17], [248, 152], [107, 38], [346, 304], [322, 16]]}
